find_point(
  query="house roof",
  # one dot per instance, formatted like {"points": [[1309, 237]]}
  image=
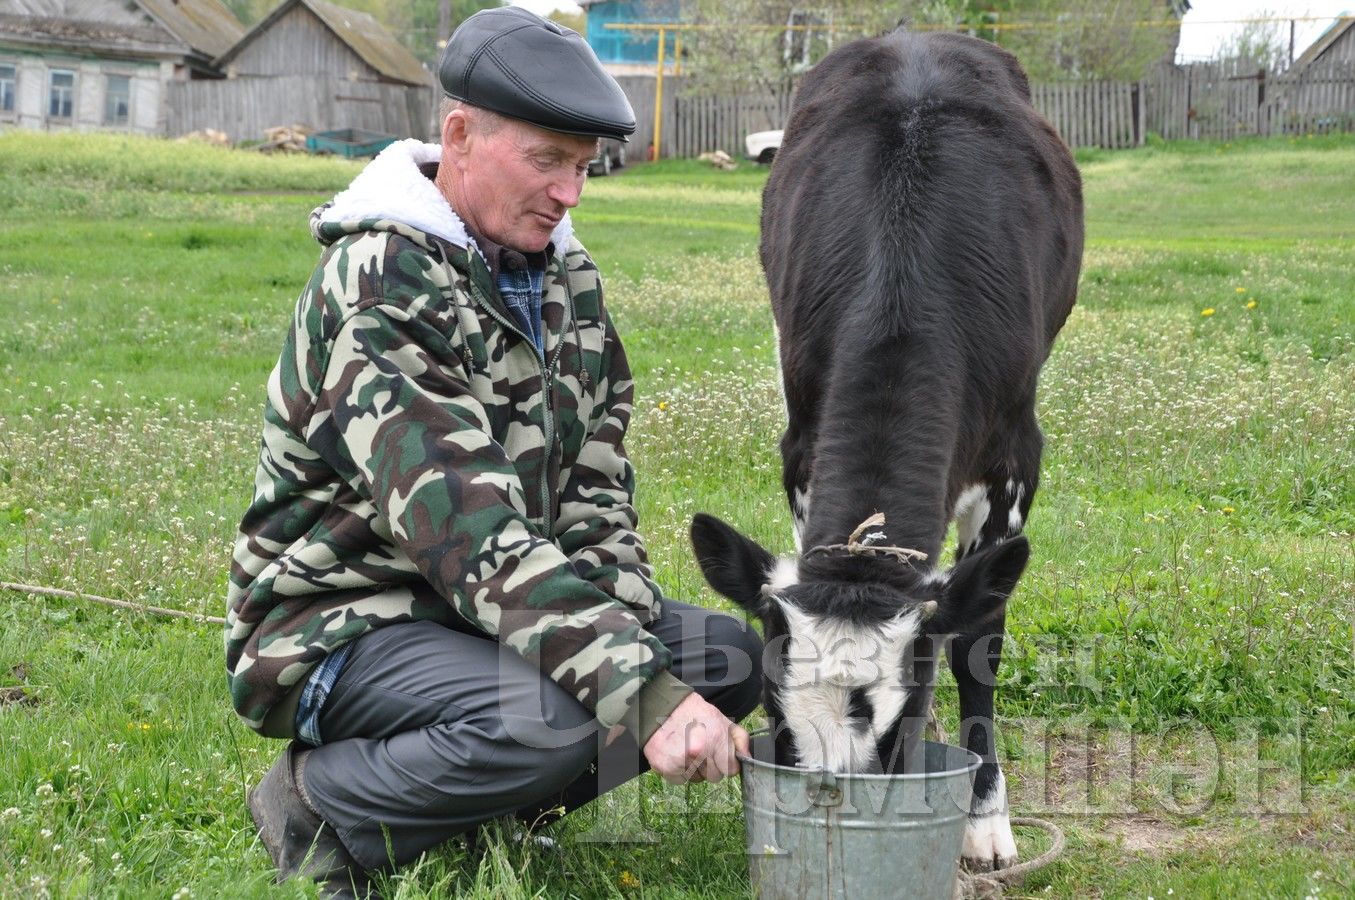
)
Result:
{"points": [[363, 34], [108, 39], [203, 28], [205, 25], [1323, 43]]}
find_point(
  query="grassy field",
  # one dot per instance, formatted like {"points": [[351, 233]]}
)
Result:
{"points": [[1178, 691]]}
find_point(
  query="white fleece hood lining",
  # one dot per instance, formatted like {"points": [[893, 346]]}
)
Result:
{"points": [[392, 187]]}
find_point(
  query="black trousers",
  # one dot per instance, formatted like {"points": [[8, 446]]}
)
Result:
{"points": [[430, 732]]}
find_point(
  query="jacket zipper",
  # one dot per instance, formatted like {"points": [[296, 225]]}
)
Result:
{"points": [[548, 420]]}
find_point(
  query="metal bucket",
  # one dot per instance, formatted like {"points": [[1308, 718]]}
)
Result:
{"points": [[813, 834]]}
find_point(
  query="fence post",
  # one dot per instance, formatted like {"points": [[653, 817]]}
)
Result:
{"points": [[1262, 126], [1140, 113]]}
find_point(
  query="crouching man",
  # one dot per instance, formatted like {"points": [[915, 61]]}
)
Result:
{"points": [[438, 594]]}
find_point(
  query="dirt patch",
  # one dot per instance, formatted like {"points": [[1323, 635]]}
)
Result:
{"points": [[16, 696], [1155, 837]]}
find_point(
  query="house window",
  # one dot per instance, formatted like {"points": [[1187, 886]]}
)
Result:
{"points": [[61, 94], [117, 99], [8, 76]]}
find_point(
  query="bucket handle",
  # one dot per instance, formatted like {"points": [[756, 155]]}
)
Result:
{"points": [[826, 792]]}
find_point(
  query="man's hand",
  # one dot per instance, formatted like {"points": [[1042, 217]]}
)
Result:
{"points": [[695, 743]]}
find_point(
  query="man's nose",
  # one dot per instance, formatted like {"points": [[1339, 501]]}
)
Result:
{"points": [[566, 191]]}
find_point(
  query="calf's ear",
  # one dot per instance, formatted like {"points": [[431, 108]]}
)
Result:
{"points": [[733, 565], [977, 589]]}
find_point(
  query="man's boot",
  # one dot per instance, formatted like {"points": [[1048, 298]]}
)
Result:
{"points": [[297, 839]]}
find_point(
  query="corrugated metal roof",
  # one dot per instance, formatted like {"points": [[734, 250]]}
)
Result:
{"points": [[205, 25], [143, 39], [363, 34], [108, 12]]}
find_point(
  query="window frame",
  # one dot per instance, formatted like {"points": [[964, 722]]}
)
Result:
{"points": [[126, 121], [13, 80], [52, 95]]}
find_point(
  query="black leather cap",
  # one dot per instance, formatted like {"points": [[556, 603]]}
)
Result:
{"points": [[518, 64]]}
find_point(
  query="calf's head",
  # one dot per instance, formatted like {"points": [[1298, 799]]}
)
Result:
{"points": [[841, 642]]}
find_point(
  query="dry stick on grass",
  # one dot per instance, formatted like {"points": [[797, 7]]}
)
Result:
{"points": [[108, 601]]}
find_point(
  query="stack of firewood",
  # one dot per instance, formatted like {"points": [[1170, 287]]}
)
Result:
{"points": [[285, 139], [719, 159], [207, 136]]}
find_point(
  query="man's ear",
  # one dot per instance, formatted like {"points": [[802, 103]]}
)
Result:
{"points": [[977, 589], [456, 129], [734, 565]]}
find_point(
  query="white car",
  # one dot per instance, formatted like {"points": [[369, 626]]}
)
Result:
{"points": [[762, 145]]}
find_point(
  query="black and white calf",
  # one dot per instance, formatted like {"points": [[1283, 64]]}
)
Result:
{"points": [[921, 235]]}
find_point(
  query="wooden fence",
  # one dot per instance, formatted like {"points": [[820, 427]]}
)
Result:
{"points": [[244, 107], [1212, 101], [709, 123], [1175, 102], [1091, 113]]}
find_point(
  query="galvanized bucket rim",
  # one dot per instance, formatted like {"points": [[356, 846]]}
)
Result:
{"points": [[971, 766]]}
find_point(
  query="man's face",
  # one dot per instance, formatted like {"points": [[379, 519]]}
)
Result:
{"points": [[517, 182]]}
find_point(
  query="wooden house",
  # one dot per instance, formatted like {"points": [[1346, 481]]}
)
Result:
{"points": [[314, 63], [1317, 92], [1335, 47], [105, 64]]}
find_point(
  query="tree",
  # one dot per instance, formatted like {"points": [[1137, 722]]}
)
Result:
{"points": [[1257, 45], [1083, 40], [744, 44], [574, 20]]}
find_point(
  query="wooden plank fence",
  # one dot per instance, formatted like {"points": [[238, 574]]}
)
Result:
{"points": [[319, 101], [702, 123], [1174, 102], [1091, 113]]}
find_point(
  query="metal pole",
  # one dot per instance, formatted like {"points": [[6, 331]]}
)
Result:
{"points": [[658, 97]]}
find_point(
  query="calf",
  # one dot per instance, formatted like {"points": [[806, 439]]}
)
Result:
{"points": [[921, 236]]}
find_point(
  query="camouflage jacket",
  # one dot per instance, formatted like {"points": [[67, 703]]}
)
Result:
{"points": [[420, 460]]}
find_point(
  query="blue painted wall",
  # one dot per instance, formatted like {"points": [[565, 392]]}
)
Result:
{"points": [[613, 46]]}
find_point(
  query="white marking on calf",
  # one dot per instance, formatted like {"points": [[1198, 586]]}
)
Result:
{"points": [[826, 659], [784, 573], [971, 511], [934, 577], [988, 834], [1014, 515], [799, 509]]}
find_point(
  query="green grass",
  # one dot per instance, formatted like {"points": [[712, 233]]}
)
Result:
{"points": [[1185, 623]]}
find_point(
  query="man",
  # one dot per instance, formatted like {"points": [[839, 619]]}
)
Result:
{"points": [[438, 592]]}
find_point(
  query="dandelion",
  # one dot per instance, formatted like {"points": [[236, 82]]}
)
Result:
{"points": [[1242, 290], [1251, 304], [1207, 311], [627, 881], [663, 404], [1228, 510]]}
